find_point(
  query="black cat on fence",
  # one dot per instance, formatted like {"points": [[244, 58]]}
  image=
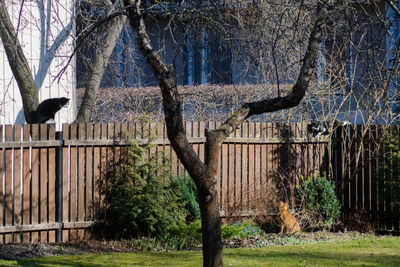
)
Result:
{"points": [[48, 108]]}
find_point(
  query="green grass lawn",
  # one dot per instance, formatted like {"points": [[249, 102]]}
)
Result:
{"points": [[363, 252]]}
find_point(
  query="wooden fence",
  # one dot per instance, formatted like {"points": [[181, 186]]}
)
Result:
{"points": [[51, 181], [364, 191]]}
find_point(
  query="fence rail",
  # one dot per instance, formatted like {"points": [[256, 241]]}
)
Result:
{"points": [[51, 182]]}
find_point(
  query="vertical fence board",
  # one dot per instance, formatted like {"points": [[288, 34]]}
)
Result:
{"points": [[103, 170], [360, 170], [26, 190], [396, 204], [96, 172], [35, 182], [367, 171], [8, 182], [66, 178], [238, 174], [17, 182], [52, 183], [43, 184], [81, 179], [257, 179], [346, 168], [263, 168], [89, 175], [374, 173], [73, 235], [339, 166], [231, 194]]}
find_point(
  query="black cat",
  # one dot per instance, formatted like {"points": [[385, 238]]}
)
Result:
{"points": [[48, 108]]}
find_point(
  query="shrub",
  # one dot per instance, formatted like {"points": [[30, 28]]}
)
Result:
{"points": [[188, 196], [320, 201], [240, 230], [192, 231], [142, 200], [389, 169]]}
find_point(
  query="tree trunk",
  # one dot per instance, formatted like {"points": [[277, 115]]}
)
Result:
{"points": [[18, 63], [103, 54]]}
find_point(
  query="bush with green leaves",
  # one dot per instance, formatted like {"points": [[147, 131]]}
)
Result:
{"points": [[142, 199], [320, 201], [389, 169], [244, 229], [188, 196], [191, 233]]}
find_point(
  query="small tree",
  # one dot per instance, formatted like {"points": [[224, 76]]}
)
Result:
{"points": [[205, 174]]}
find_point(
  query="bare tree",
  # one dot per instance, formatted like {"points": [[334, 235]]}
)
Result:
{"points": [[103, 52], [18, 63], [204, 174], [50, 42]]}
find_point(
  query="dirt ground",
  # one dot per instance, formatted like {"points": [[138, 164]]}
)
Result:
{"points": [[17, 251]]}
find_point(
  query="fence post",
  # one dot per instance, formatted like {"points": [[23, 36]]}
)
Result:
{"points": [[59, 165]]}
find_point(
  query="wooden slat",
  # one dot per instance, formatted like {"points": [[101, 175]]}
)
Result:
{"points": [[26, 197], [43, 184], [81, 179], [103, 170], [263, 169], [89, 175], [251, 167], [35, 198], [17, 181], [374, 174], [360, 170], [29, 228], [381, 187], [245, 168], [388, 191], [27, 143], [66, 178], [96, 173], [237, 159], [73, 208], [202, 131], [396, 206], [346, 170], [8, 182], [52, 182]]}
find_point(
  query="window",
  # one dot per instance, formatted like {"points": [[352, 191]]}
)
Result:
{"points": [[207, 60]]}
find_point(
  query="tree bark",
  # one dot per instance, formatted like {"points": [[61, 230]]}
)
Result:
{"points": [[18, 64], [205, 175], [103, 54]]}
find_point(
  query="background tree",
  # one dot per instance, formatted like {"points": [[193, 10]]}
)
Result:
{"points": [[107, 36], [104, 15], [28, 83]]}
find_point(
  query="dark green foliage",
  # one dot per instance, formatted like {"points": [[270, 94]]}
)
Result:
{"points": [[389, 169], [319, 197], [188, 195], [191, 233], [240, 230], [142, 200]]}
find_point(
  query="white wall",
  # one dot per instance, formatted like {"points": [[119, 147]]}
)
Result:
{"points": [[40, 28]]}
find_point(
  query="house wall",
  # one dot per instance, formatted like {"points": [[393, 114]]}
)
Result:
{"points": [[41, 28]]}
